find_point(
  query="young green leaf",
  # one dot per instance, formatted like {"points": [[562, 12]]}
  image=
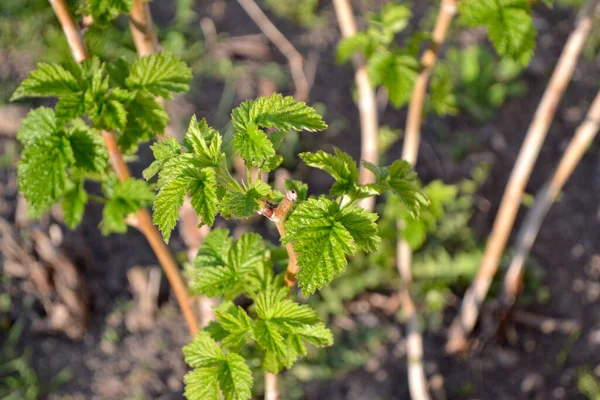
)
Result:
{"points": [[47, 80], [104, 11], [223, 267], [246, 203], [396, 71], [124, 198], [509, 25], [161, 74], [238, 325], [339, 165], [88, 148], [214, 371], [323, 234], [275, 111], [73, 203]]}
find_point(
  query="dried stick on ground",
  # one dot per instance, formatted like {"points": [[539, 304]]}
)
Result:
{"points": [[144, 221], [410, 151], [463, 324], [295, 59], [367, 105], [584, 136]]}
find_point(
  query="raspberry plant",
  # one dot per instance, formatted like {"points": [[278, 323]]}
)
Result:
{"points": [[320, 232]]}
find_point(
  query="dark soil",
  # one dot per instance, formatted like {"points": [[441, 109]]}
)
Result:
{"points": [[112, 363]]}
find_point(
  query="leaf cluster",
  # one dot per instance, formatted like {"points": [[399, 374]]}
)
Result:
{"points": [[61, 150], [396, 68], [508, 23]]}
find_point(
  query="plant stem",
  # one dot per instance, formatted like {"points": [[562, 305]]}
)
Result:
{"points": [[142, 29], [417, 381], [144, 221], [584, 136], [286, 48], [367, 106], [465, 321], [70, 29], [410, 150], [271, 391]]}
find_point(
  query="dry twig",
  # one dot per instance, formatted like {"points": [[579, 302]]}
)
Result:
{"points": [[463, 324], [367, 105], [142, 29], [144, 221], [584, 136]]}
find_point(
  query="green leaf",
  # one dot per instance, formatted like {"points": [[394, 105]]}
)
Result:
{"points": [[104, 11], [214, 368], [124, 198], [245, 204], [274, 306], [73, 203], [202, 384], [317, 334], [509, 25], [203, 194], [42, 171], [39, 123], [253, 145], [161, 74], [361, 225], [215, 249], [268, 337], [204, 141], [69, 107], [348, 46], [238, 325], [201, 183], [403, 181], [275, 111], [47, 80], [223, 267], [321, 241], [203, 351], [339, 165], [163, 150], [88, 148], [397, 72]]}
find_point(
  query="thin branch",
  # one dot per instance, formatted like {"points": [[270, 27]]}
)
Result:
{"points": [[367, 105], [416, 375], [144, 221], [142, 29], [463, 324], [278, 215], [410, 150], [271, 391], [286, 48], [584, 136], [70, 29]]}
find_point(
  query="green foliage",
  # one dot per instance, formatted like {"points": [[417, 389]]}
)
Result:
{"points": [[104, 11], [588, 385], [388, 65], [60, 151], [508, 22], [480, 82], [323, 231]]}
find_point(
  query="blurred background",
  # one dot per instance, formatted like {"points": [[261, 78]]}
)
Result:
{"points": [[77, 320]]}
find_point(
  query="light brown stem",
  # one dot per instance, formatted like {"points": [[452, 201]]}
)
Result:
{"points": [[142, 29], [417, 381], [70, 29], [463, 324], [410, 150], [271, 391], [367, 105], [144, 221], [286, 48], [145, 225], [584, 136]]}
